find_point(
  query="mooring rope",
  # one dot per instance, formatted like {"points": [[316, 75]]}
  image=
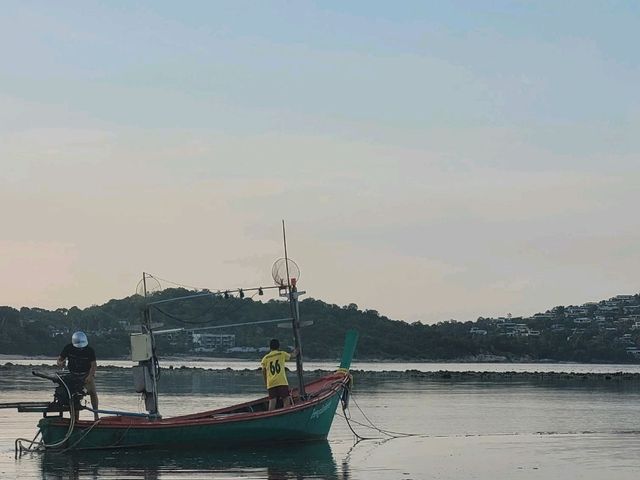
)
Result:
{"points": [[389, 433], [393, 434]]}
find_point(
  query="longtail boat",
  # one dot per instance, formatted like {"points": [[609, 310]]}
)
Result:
{"points": [[247, 423], [308, 418]]}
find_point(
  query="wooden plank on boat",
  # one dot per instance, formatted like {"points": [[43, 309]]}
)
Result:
{"points": [[19, 405]]}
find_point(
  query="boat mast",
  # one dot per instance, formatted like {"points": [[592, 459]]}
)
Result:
{"points": [[295, 316], [151, 364]]}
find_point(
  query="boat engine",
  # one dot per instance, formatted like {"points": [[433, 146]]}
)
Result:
{"points": [[75, 384], [67, 383]]}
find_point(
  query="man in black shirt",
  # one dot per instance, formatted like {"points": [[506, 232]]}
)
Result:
{"points": [[82, 361]]}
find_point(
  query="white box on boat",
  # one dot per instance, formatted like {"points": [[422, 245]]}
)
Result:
{"points": [[141, 347]]}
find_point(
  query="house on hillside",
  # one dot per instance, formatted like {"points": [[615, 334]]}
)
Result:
{"points": [[634, 351], [623, 298], [601, 322], [241, 350], [477, 331], [211, 342], [626, 338], [575, 312], [582, 321], [507, 328]]}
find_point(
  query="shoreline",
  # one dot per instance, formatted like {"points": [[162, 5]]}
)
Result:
{"points": [[7, 358], [439, 375]]}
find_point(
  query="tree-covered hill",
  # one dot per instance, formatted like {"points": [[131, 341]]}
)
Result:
{"points": [[607, 331]]}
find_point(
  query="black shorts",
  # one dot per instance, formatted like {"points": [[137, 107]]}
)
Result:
{"points": [[281, 391]]}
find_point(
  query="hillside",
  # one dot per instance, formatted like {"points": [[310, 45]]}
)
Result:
{"points": [[606, 331]]}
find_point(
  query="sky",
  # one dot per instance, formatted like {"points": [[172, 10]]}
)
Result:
{"points": [[432, 160]]}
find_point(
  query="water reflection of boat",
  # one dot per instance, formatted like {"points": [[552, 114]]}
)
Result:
{"points": [[310, 460]]}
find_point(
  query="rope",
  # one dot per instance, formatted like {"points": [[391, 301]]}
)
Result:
{"points": [[358, 436], [330, 386], [389, 433], [20, 448], [371, 425], [85, 433], [394, 434], [345, 408], [122, 436], [41, 445]]}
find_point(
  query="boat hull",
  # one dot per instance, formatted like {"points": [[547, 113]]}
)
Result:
{"points": [[305, 421]]}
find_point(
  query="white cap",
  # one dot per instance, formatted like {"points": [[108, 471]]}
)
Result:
{"points": [[79, 340]]}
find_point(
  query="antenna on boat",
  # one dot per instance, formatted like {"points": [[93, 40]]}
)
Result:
{"points": [[148, 285], [293, 294], [144, 284]]}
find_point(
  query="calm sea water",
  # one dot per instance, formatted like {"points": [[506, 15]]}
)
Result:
{"points": [[466, 429], [375, 366]]}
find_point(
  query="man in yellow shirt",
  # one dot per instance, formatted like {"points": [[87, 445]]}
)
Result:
{"points": [[274, 374]]}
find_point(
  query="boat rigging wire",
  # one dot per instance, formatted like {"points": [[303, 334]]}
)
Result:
{"points": [[217, 293], [191, 321], [202, 293], [228, 325], [207, 291], [188, 287]]}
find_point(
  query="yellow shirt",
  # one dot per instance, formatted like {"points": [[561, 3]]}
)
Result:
{"points": [[273, 363]]}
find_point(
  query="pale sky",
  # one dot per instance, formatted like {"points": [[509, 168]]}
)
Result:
{"points": [[433, 160]]}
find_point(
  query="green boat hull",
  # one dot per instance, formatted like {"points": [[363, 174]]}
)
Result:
{"points": [[249, 423], [300, 423]]}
